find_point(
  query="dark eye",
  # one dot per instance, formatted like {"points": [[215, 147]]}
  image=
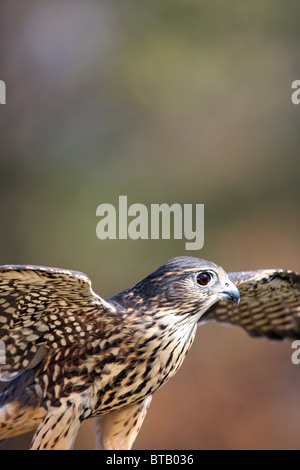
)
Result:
{"points": [[203, 278]]}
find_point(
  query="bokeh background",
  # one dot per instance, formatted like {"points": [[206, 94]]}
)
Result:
{"points": [[162, 101]]}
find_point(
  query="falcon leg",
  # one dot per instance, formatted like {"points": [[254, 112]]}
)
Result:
{"points": [[59, 428], [15, 418], [119, 429], [19, 408]]}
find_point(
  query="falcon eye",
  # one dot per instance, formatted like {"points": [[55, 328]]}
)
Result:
{"points": [[203, 278]]}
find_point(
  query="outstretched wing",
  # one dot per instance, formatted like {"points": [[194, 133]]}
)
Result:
{"points": [[43, 308], [269, 305]]}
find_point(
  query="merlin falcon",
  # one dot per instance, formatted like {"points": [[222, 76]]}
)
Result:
{"points": [[70, 355]]}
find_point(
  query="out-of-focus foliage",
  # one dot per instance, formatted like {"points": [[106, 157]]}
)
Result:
{"points": [[165, 101]]}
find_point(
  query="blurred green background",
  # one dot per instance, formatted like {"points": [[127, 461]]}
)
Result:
{"points": [[162, 101]]}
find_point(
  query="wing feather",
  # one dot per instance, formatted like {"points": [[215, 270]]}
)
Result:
{"points": [[269, 305], [43, 308]]}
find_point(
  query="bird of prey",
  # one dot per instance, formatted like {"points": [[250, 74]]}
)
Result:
{"points": [[71, 355]]}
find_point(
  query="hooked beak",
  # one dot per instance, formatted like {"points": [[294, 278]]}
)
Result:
{"points": [[230, 293]]}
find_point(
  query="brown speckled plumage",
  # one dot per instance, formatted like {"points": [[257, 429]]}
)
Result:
{"points": [[72, 355], [269, 306]]}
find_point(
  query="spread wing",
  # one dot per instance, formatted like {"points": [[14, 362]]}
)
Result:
{"points": [[269, 305], [44, 308]]}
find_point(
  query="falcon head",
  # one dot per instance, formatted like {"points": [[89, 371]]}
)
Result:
{"points": [[182, 285]]}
